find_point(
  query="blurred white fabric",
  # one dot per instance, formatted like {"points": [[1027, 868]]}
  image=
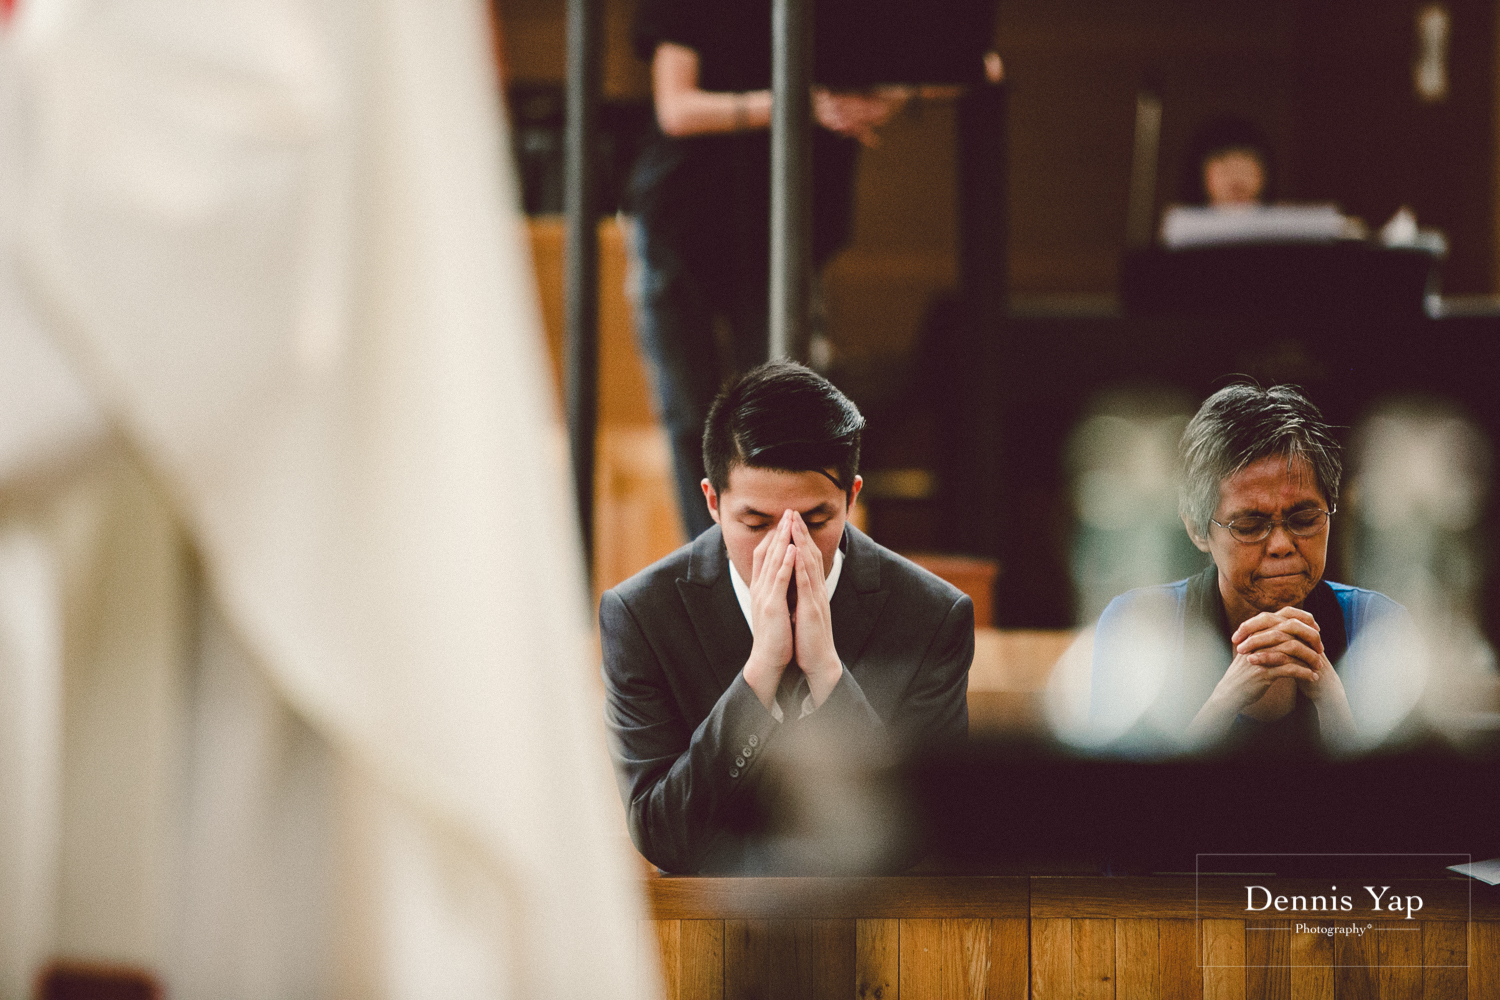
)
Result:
{"points": [[294, 669]]}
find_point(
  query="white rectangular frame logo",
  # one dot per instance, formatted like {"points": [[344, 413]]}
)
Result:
{"points": [[1198, 917]]}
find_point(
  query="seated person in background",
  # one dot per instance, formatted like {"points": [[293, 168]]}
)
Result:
{"points": [[1257, 651], [781, 626], [1229, 163]]}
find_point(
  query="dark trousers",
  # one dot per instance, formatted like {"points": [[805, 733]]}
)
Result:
{"points": [[699, 323]]}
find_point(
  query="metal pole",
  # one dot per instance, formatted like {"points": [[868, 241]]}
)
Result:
{"points": [[581, 261], [791, 175]]}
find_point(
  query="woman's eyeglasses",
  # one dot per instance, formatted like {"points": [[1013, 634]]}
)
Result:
{"points": [[1302, 523]]}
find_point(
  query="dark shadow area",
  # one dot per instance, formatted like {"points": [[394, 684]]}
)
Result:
{"points": [[1026, 807]]}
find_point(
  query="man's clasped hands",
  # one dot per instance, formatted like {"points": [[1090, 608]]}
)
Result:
{"points": [[788, 557]]}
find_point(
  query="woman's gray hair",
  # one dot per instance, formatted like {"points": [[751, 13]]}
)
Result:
{"points": [[1241, 424]]}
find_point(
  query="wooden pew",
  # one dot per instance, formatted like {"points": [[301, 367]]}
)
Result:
{"points": [[1049, 938], [1009, 676]]}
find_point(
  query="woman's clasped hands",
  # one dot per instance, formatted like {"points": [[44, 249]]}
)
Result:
{"points": [[1276, 654]]}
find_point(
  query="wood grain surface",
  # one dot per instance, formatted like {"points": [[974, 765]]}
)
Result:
{"points": [[921, 958], [1178, 959], [1010, 959], [1047, 950], [1223, 959], [1226, 898], [1398, 947], [1355, 962], [1268, 974], [1138, 960], [1094, 959], [932, 897], [702, 960], [1312, 967], [1052, 959], [1484, 960], [1445, 959], [747, 959], [877, 959]]}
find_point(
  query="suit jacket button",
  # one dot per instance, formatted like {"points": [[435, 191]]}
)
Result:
{"points": [[754, 740], [739, 762], [747, 751], [734, 772]]}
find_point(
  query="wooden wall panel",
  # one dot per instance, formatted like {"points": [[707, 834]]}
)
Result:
{"points": [[636, 520], [1178, 951], [1052, 959], [791, 948], [1398, 944], [966, 958], [834, 958], [1267, 954], [702, 960], [1010, 959], [1137, 960], [1355, 960], [1223, 959], [747, 960], [624, 382], [1484, 959], [1312, 967], [910, 897], [534, 37], [669, 941], [1062, 958], [1445, 957], [1094, 959], [877, 959], [921, 958]]}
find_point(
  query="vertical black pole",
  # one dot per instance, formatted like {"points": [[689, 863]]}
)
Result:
{"points": [[984, 270], [581, 261], [791, 175]]}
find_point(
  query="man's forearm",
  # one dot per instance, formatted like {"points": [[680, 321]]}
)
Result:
{"points": [[707, 112]]}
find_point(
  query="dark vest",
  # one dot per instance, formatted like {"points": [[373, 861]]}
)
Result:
{"points": [[1207, 637]]}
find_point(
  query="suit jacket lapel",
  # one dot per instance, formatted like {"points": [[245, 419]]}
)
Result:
{"points": [[711, 606], [857, 602]]}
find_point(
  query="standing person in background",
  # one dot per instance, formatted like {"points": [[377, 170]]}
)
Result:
{"points": [[700, 194]]}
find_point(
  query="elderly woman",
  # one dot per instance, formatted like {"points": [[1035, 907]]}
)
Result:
{"points": [[1257, 650]]}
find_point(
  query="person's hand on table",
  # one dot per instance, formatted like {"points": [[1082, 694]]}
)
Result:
{"points": [[774, 563], [815, 652], [859, 114]]}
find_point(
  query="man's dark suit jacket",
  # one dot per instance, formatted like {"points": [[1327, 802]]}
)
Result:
{"points": [[690, 738]]}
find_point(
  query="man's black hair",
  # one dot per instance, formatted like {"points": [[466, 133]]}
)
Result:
{"points": [[782, 416]]}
